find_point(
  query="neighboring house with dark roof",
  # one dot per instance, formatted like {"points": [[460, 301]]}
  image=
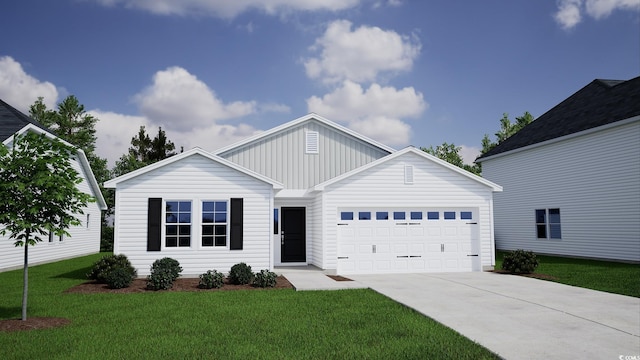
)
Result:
{"points": [[571, 178], [308, 192], [84, 239]]}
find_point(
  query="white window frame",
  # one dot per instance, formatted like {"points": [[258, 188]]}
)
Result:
{"points": [[214, 224], [178, 224]]}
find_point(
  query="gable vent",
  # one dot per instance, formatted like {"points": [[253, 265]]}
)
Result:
{"points": [[408, 174], [311, 142]]}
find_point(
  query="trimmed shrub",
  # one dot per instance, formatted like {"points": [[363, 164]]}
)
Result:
{"points": [[163, 273], [119, 278], [108, 263], [240, 274], [211, 279], [520, 262], [265, 278]]}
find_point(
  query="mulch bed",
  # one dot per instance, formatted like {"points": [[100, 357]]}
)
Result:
{"points": [[138, 286], [339, 278]]}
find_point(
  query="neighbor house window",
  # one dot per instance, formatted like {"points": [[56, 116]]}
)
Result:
{"points": [[178, 224], [214, 223], [548, 224]]}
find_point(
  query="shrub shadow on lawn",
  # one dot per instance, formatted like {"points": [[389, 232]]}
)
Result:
{"points": [[79, 274], [8, 312]]}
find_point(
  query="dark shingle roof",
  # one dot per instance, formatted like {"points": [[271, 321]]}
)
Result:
{"points": [[600, 103], [12, 120]]}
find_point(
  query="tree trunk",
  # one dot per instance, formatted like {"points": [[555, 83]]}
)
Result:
{"points": [[25, 278]]}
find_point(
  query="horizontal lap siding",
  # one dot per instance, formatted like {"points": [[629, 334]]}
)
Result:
{"points": [[83, 240], [383, 186], [282, 156], [595, 181], [194, 178]]}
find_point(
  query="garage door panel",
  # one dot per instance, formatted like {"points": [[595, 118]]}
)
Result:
{"points": [[394, 245]]}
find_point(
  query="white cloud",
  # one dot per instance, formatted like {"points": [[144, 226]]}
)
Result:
{"points": [[230, 9], [114, 132], [180, 101], [469, 154], [360, 55], [375, 112], [570, 12], [20, 89]]}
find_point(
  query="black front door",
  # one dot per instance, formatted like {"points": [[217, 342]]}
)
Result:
{"points": [[292, 235]]}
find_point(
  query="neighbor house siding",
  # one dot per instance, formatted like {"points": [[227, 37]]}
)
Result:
{"points": [[434, 186], [197, 179], [282, 156], [594, 180], [83, 240]]}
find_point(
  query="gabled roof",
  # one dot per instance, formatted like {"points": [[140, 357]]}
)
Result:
{"points": [[298, 121], [602, 102], [410, 149], [195, 151], [12, 121]]}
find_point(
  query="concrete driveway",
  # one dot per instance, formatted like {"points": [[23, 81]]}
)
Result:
{"points": [[521, 318]]}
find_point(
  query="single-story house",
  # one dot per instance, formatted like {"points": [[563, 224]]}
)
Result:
{"points": [[308, 192], [84, 239], [572, 177]]}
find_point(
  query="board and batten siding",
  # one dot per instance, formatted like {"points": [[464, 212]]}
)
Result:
{"points": [[594, 180], [197, 179], [84, 239], [282, 156], [383, 186]]}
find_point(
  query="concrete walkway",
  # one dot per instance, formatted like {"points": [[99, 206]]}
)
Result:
{"points": [[515, 317]]}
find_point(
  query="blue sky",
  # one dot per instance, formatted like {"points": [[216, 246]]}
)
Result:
{"points": [[402, 72]]}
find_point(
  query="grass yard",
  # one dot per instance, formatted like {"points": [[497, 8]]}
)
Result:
{"points": [[613, 277], [249, 324]]}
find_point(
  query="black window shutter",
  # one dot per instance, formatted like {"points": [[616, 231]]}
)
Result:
{"points": [[235, 240], [154, 222]]}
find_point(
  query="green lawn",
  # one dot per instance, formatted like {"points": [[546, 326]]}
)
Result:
{"points": [[613, 277], [267, 324]]}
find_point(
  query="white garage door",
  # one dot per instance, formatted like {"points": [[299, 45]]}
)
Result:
{"points": [[407, 240]]}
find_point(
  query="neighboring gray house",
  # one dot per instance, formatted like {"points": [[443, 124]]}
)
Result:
{"points": [[84, 239], [306, 192], [572, 177]]}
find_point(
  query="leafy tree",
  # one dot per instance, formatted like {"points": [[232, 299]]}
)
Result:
{"points": [[451, 154], [144, 151], [71, 123], [38, 193], [507, 129]]}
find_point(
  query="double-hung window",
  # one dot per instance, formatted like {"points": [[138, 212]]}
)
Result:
{"points": [[548, 224], [214, 223], [178, 224]]}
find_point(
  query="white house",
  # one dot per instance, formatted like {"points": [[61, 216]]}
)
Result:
{"points": [[84, 239], [572, 177], [309, 192]]}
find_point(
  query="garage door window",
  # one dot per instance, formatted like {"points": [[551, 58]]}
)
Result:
{"points": [[382, 215], [346, 215], [399, 215], [416, 215], [433, 215], [449, 215], [466, 215], [364, 215]]}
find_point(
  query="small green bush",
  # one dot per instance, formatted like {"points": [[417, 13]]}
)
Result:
{"points": [[520, 262], [211, 279], [265, 278], [163, 273], [240, 274], [108, 263], [119, 278]]}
